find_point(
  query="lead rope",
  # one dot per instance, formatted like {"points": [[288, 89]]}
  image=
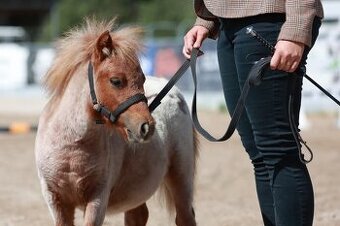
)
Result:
{"points": [[256, 74], [255, 77], [297, 137], [239, 106], [292, 123]]}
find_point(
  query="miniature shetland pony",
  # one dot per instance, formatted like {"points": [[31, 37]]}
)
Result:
{"points": [[86, 160]]}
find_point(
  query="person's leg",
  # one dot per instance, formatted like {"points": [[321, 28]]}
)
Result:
{"points": [[266, 108], [232, 92]]}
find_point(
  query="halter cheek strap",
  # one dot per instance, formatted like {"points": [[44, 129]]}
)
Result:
{"points": [[104, 111]]}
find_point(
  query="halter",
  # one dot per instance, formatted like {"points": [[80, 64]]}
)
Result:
{"points": [[104, 111]]}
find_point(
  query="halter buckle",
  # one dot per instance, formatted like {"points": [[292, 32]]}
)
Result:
{"points": [[97, 107]]}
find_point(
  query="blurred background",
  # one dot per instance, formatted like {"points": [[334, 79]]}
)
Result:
{"points": [[28, 31]]}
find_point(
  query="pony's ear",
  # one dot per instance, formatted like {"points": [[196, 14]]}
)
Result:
{"points": [[104, 45]]}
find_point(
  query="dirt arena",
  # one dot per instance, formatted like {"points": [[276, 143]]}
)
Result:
{"points": [[225, 190]]}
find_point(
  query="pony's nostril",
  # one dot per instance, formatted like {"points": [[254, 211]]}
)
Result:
{"points": [[144, 130]]}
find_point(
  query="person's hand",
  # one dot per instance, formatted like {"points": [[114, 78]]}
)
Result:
{"points": [[287, 56], [193, 39]]}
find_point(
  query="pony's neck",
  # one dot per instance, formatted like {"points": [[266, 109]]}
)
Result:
{"points": [[76, 105]]}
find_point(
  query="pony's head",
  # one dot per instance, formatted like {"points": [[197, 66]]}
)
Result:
{"points": [[118, 84], [116, 73]]}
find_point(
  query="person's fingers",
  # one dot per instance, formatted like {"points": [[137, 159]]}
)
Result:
{"points": [[275, 61], [199, 39], [189, 40], [289, 64], [294, 66], [286, 66], [282, 64], [194, 39], [287, 56], [186, 52]]}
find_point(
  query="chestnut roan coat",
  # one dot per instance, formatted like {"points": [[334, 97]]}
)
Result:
{"points": [[111, 166]]}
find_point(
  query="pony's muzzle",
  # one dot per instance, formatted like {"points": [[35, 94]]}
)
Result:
{"points": [[141, 133]]}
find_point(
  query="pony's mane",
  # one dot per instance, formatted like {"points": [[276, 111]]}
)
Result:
{"points": [[76, 48]]}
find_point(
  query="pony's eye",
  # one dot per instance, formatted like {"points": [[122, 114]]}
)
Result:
{"points": [[116, 82]]}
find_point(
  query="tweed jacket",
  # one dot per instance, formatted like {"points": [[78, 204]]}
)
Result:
{"points": [[299, 15]]}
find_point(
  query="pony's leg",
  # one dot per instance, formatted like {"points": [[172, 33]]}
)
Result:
{"points": [[62, 213], [179, 182], [64, 216], [137, 216], [96, 209]]}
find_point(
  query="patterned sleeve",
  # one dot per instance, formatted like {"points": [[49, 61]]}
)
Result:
{"points": [[299, 21], [206, 19]]}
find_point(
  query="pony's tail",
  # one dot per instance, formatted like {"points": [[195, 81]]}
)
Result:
{"points": [[166, 197]]}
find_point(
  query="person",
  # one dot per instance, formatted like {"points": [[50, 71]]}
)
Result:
{"points": [[283, 184]]}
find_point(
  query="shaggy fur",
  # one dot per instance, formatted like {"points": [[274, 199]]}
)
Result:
{"points": [[117, 167]]}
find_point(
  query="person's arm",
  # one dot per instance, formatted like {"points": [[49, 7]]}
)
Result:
{"points": [[295, 33], [211, 25], [206, 25], [206, 19], [300, 15]]}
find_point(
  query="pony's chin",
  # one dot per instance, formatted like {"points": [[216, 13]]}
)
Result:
{"points": [[135, 139], [129, 137]]}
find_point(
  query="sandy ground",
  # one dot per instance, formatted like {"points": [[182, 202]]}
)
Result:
{"points": [[225, 190]]}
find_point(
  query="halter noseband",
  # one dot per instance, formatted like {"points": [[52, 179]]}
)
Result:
{"points": [[111, 116]]}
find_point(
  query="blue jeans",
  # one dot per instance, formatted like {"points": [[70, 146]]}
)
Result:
{"points": [[283, 184]]}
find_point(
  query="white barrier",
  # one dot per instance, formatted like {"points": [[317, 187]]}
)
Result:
{"points": [[13, 66]]}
